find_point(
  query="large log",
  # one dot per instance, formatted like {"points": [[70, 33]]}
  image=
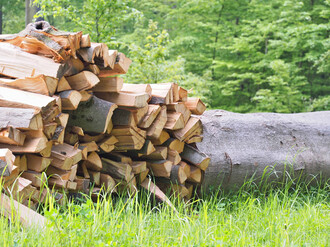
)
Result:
{"points": [[244, 146]]}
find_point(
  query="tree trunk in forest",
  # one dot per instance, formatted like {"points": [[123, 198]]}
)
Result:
{"points": [[216, 41], [268, 145], [0, 17], [30, 11]]}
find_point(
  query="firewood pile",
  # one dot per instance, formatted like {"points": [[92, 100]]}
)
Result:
{"points": [[70, 123]]}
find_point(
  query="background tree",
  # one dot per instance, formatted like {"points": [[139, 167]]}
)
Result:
{"points": [[12, 16], [99, 18], [240, 55]]}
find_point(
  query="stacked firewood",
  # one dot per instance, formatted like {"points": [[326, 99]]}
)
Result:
{"points": [[68, 122]]}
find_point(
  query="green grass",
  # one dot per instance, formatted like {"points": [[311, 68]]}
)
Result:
{"points": [[274, 217]]}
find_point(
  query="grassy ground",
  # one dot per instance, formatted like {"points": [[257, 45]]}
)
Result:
{"points": [[276, 217]]}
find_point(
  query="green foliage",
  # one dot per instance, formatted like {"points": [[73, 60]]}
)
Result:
{"points": [[99, 18], [242, 55], [13, 15], [151, 63], [260, 55]]}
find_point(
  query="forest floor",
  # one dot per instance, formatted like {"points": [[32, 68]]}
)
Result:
{"points": [[274, 217]]}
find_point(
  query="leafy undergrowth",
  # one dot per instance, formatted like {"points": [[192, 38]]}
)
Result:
{"points": [[277, 217]]}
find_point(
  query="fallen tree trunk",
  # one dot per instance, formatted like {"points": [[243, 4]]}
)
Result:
{"points": [[265, 146]]}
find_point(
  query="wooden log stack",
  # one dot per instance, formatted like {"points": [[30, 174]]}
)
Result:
{"points": [[69, 122]]}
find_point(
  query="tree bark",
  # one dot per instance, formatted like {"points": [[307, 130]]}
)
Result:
{"points": [[1, 17], [267, 147], [216, 40], [30, 11]]}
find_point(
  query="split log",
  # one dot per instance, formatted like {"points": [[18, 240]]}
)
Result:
{"points": [[160, 168], [49, 130], [174, 144], [85, 41], [93, 116], [195, 157], [82, 184], [120, 67], [164, 136], [93, 162], [117, 169], [40, 84], [173, 156], [125, 99], [195, 175], [63, 85], [31, 145], [178, 174], [38, 179], [12, 209], [155, 130], [269, 145], [150, 186], [193, 127], [95, 177], [12, 136], [97, 53], [64, 156], [83, 81], [148, 119], [108, 144], [183, 94], [108, 182], [147, 149], [20, 118], [139, 167], [16, 63], [62, 174], [109, 84], [136, 88], [10, 97], [175, 121], [122, 117], [118, 157], [34, 46], [37, 163], [195, 105], [138, 113], [161, 93], [141, 177], [73, 66], [159, 154], [70, 99], [53, 38], [180, 107], [6, 162]]}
